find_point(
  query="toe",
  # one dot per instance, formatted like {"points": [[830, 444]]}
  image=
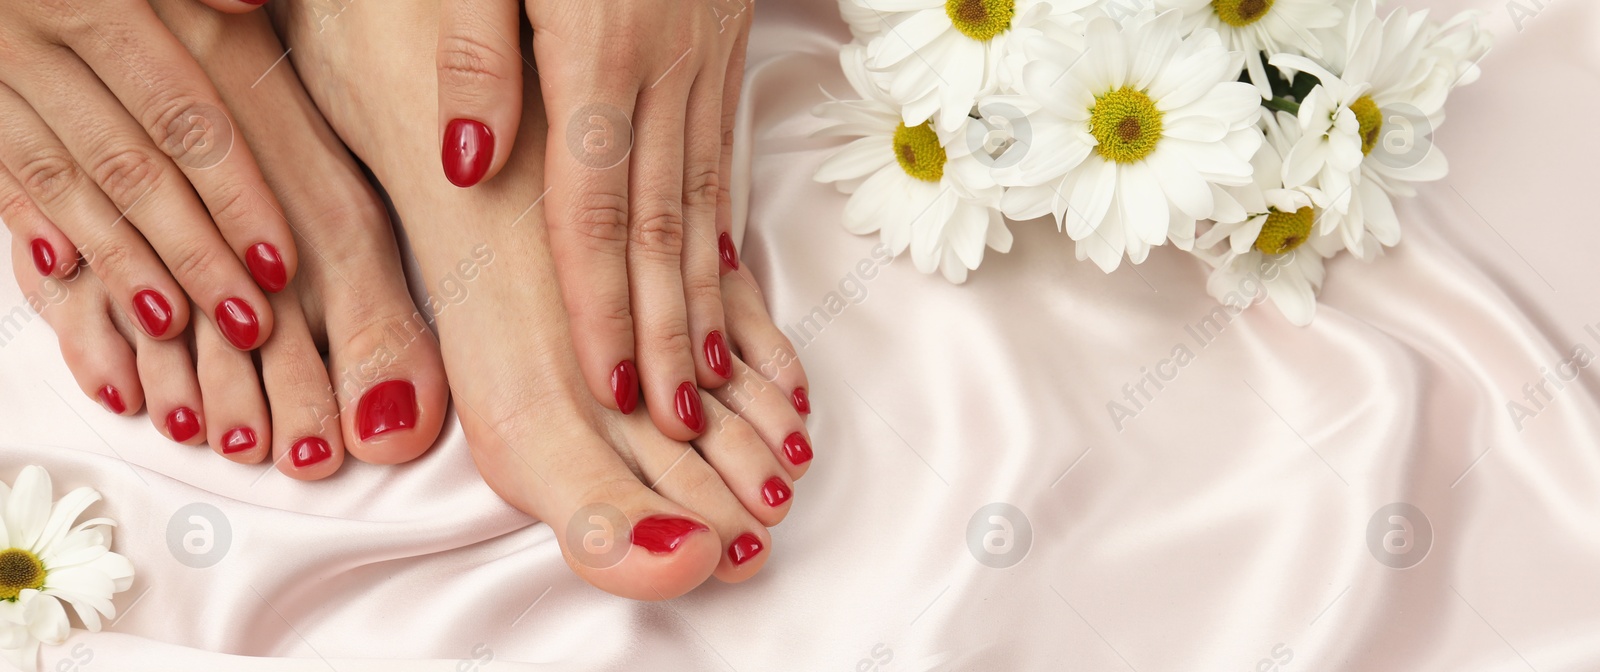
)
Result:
{"points": [[765, 408], [171, 389], [306, 441], [79, 310], [387, 371], [238, 426], [758, 341], [746, 465]]}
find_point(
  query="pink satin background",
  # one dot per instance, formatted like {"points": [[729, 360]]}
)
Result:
{"points": [[1226, 523]]}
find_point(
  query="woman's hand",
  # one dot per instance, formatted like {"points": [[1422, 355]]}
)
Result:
{"points": [[120, 140], [641, 96]]}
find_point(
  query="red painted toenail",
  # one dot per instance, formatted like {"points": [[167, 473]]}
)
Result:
{"points": [[802, 403], [717, 355], [389, 406], [44, 256], [183, 423], [776, 492], [468, 149], [155, 314], [266, 266], [309, 451], [796, 449], [238, 440], [744, 548], [237, 322], [730, 255], [663, 534], [112, 400], [625, 386], [688, 406]]}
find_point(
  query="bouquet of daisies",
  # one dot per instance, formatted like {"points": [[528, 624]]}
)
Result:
{"points": [[1262, 136]]}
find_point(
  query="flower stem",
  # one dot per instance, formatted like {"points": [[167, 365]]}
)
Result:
{"points": [[1282, 105]]}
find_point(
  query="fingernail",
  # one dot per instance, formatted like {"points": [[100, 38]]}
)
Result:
{"points": [[237, 322], [730, 255], [802, 403], [238, 440], [717, 355], [796, 449], [389, 406], [468, 149], [625, 386], [44, 256], [112, 400], [155, 314], [182, 424], [663, 534], [688, 406], [744, 548], [309, 451], [266, 266], [776, 492]]}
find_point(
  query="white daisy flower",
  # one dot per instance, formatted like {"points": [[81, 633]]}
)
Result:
{"points": [[1254, 26], [1291, 279], [1130, 137], [942, 55], [46, 560], [916, 187]]}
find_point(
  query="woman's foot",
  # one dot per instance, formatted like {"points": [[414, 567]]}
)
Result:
{"points": [[382, 394], [637, 514]]}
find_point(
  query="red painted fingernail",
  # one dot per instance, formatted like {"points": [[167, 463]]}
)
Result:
{"points": [[688, 406], [625, 386], [155, 314], [730, 254], [266, 266], [776, 492], [389, 406], [257, 3], [238, 440], [744, 548], [796, 449], [663, 534], [44, 256], [468, 149], [309, 451], [802, 403], [112, 400], [717, 355], [237, 322], [182, 424]]}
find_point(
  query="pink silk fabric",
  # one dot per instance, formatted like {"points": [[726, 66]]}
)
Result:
{"points": [[1239, 518]]}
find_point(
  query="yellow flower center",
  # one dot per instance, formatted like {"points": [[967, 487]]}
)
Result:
{"points": [[19, 571], [1241, 13], [1126, 124], [981, 20], [1371, 119], [918, 150], [1285, 231]]}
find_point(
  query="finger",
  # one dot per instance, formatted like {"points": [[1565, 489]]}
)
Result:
{"points": [[655, 266], [160, 84], [48, 248], [234, 6], [701, 259], [732, 87], [480, 87], [153, 195], [136, 278]]}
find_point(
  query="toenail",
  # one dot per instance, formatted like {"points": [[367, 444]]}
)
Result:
{"points": [[389, 406], [266, 266], [802, 403], [625, 386], [730, 255], [238, 440], [183, 423], [112, 400], [309, 451], [776, 492], [44, 256], [663, 534], [717, 355], [744, 548], [237, 322], [468, 149], [796, 449], [688, 405], [155, 314]]}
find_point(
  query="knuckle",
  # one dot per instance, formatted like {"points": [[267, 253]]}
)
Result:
{"points": [[601, 220], [169, 114], [670, 335], [702, 185], [659, 233], [197, 262], [702, 288], [16, 207], [49, 175], [238, 205], [126, 174], [466, 62], [111, 259]]}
